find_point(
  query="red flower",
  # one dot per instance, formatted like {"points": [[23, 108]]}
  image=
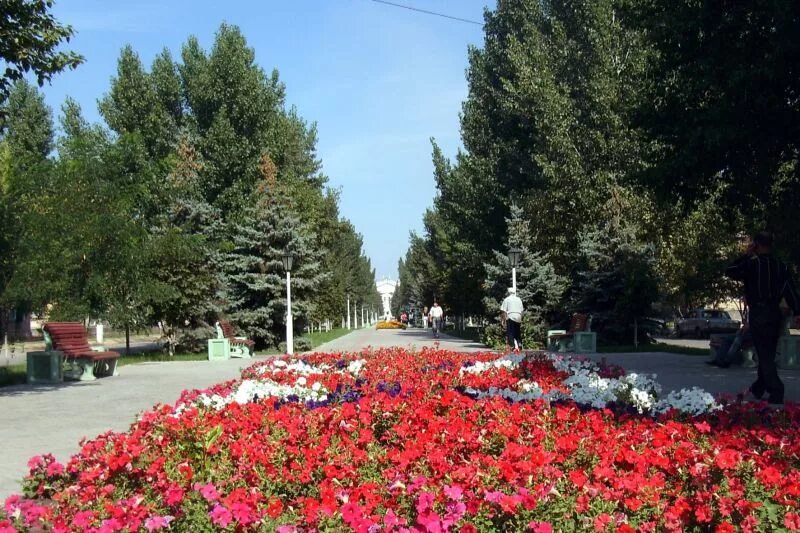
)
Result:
{"points": [[727, 459], [792, 521], [275, 508]]}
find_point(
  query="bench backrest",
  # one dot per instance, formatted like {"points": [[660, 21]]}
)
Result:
{"points": [[227, 328], [68, 337], [578, 322]]}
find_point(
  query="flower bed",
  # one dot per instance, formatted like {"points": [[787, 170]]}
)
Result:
{"points": [[391, 440], [390, 324]]}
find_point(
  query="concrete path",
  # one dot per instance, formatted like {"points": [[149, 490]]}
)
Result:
{"points": [[41, 419], [410, 338], [677, 371]]}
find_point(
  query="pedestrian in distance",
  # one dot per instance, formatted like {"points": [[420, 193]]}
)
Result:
{"points": [[436, 319], [425, 317], [511, 315], [767, 281]]}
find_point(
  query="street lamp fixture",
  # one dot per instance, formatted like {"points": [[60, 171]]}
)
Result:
{"points": [[287, 265], [288, 257], [514, 257]]}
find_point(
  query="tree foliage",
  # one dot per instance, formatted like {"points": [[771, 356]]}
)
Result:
{"points": [[179, 211], [29, 39], [640, 138]]}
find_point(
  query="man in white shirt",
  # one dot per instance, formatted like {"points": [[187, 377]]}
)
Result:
{"points": [[436, 318], [512, 310]]}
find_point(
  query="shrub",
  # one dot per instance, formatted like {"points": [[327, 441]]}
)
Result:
{"points": [[301, 344]]}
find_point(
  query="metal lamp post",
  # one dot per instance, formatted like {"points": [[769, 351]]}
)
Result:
{"points": [[287, 265], [348, 311], [514, 257]]}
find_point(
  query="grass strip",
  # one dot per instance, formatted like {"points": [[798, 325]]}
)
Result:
{"points": [[319, 338]]}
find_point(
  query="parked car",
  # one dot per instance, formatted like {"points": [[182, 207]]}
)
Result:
{"points": [[703, 322]]}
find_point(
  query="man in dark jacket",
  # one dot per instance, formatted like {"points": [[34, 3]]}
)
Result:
{"points": [[767, 281]]}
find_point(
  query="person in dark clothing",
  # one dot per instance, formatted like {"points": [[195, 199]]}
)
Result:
{"points": [[767, 281]]}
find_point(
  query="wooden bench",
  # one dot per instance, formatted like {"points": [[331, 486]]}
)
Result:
{"points": [[577, 338], [240, 346], [70, 338]]}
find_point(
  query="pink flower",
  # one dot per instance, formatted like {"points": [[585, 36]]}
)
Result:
{"points": [[55, 469], [155, 523], [416, 483], [286, 529], [208, 491], [351, 512], [456, 510], [110, 526], [83, 519], [220, 516], [702, 427], [454, 492], [12, 503], [792, 521], [173, 495], [243, 513], [540, 527], [494, 496], [430, 521], [391, 520], [424, 502]]}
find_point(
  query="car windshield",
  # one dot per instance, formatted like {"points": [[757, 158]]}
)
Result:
{"points": [[713, 313]]}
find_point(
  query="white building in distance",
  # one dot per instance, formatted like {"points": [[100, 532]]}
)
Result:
{"points": [[386, 288]]}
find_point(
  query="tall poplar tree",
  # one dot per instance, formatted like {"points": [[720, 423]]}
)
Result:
{"points": [[25, 149]]}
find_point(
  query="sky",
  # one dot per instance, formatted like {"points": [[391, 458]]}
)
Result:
{"points": [[379, 81]]}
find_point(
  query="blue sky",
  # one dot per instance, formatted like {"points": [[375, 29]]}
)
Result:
{"points": [[380, 81]]}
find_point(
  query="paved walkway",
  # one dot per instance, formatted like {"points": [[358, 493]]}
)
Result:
{"points": [[41, 419], [676, 371]]}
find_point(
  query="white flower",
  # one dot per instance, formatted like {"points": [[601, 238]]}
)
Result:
{"points": [[585, 386], [694, 401], [355, 367]]}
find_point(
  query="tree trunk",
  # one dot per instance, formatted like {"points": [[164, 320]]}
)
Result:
{"points": [[127, 339]]}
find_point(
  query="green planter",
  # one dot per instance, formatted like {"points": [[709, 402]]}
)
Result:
{"points": [[45, 367], [219, 349]]}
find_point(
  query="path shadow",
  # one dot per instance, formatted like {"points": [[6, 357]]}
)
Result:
{"points": [[27, 389]]}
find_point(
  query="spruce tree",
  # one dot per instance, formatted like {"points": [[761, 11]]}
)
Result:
{"points": [[539, 287], [255, 289], [615, 282]]}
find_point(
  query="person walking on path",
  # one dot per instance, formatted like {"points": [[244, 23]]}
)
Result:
{"points": [[436, 319], [767, 281], [425, 317], [511, 314]]}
